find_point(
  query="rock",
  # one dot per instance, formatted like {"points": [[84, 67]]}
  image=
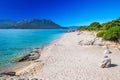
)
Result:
{"points": [[85, 42], [34, 56], [22, 58], [1, 75], [35, 51], [102, 66], [99, 42], [107, 51], [9, 73], [28, 57], [105, 63]]}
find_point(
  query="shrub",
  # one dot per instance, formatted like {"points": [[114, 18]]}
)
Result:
{"points": [[82, 28], [106, 26], [119, 40], [101, 33], [112, 33], [94, 26]]}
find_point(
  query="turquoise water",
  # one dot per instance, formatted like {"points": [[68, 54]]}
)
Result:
{"points": [[14, 43]]}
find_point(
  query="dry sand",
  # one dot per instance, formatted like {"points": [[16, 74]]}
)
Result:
{"points": [[65, 59]]}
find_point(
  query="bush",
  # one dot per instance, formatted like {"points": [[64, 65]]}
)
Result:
{"points": [[82, 28], [94, 26], [106, 26], [119, 40], [101, 33], [112, 33]]}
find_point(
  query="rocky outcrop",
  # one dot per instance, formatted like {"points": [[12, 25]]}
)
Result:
{"points": [[22, 58], [33, 55]]}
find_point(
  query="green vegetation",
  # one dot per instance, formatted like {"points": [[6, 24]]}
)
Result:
{"points": [[82, 28], [94, 26], [106, 26], [101, 33], [112, 33], [109, 31]]}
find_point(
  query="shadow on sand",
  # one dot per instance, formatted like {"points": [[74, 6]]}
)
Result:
{"points": [[113, 65]]}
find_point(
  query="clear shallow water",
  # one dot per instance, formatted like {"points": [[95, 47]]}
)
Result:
{"points": [[14, 43]]}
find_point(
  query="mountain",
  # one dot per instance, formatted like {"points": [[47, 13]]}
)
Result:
{"points": [[36, 24], [29, 24], [7, 23]]}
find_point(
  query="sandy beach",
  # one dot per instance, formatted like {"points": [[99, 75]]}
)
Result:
{"points": [[72, 57]]}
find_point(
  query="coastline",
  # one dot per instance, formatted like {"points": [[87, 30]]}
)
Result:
{"points": [[17, 65], [63, 59], [31, 64]]}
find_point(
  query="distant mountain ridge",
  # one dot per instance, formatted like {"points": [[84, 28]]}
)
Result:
{"points": [[7, 23], [29, 24]]}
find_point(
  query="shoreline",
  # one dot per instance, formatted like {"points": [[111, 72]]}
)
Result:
{"points": [[30, 69], [24, 63], [64, 59], [31, 64]]}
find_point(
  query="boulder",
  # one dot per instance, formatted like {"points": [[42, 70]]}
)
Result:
{"points": [[105, 63], [34, 56], [28, 57], [22, 58]]}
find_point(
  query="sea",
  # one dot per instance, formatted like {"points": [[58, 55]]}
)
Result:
{"points": [[18, 42]]}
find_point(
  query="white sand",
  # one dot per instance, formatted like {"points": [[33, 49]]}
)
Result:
{"points": [[65, 59]]}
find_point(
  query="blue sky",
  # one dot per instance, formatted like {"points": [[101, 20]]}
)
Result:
{"points": [[63, 12]]}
